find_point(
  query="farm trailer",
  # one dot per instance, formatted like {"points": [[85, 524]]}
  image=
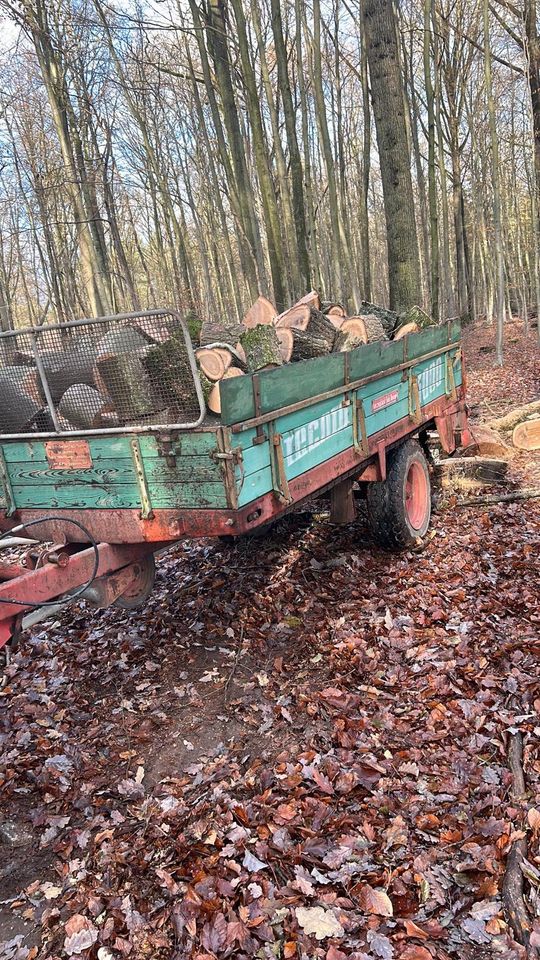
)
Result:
{"points": [[99, 502]]}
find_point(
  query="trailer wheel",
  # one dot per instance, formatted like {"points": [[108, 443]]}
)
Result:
{"points": [[141, 588], [399, 508]]}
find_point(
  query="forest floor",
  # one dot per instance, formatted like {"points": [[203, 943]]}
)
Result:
{"points": [[297, 749]]}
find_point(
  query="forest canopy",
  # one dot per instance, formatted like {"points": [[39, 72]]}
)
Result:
{"points": [[198, 154]]}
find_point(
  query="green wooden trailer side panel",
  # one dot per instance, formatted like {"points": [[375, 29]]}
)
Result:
{"points": [[317, 432], [194, 480]]}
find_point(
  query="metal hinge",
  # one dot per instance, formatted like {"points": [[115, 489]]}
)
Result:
{"points": [[236, 455]]}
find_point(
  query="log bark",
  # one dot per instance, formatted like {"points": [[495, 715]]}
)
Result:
{"points": [[127, 383], [321, 327], [262, 312], [262, 347], [170, 379], [404, 330], [346, 340], [286, 342], [19, 411], [84, 407], [526, 436], [487, 469], [305, 346], [416, 315], [511, 419], [223, 332], [374, 328], [389, 318]]}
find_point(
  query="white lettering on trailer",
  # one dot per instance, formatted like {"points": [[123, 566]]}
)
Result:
{"points": [[299, 442], [431, 378]]}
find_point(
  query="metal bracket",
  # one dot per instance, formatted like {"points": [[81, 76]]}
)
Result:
{"points": [[165, 448], [415, 407], [144, 493], [6, 486], [451, 391], [228, 459], [360, 437], [280, 483]]}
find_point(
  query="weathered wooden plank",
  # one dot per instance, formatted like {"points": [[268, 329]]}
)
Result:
{"points": [[256, 485], [114, 496], [432, 338], [194, 469], [375, 358], [115, 447]]}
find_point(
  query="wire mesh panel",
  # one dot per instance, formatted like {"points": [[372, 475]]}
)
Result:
{"points": [[132, 372]]}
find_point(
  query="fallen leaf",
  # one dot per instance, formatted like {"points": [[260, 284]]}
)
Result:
{"points": [[322, 923], [375, 900]]}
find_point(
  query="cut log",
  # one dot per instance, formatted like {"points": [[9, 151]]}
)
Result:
{"points": [[417, 315], [374, 328], [286, 342], [20, 410], [487, 443], [213, 400], [346, 341], [169, 373], [404, 330], [231, 356], [333, 309], [212, 363], [127, 383], [63, 368], [389, 318], [297, 316], [262, 312], [319, 327], [220, 332], [486, 469], [305, 346], [356, 327], [84, 407], [526, 436], [312, 299], [262, 347], [511, 419]]}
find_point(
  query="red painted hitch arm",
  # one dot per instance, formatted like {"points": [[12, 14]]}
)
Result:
{"points": [[51, 581]]}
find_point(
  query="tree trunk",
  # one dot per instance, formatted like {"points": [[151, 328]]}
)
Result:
{"points": [[388, 106]]}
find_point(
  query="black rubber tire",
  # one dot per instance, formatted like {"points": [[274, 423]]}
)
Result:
{"points": [[387, 513]]}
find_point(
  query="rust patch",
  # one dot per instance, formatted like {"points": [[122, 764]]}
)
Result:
{"points": [[68, 454]]}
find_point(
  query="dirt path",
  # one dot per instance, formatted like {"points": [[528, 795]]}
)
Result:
{"points": [[298, 749]]}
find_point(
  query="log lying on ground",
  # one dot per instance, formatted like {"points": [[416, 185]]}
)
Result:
{"points": [[487, 469], [84, 407], [511, 419], [487, 443], [404, 330], [261, 347], [389, 318], [526, 436], [212, 394], [262, 312]]}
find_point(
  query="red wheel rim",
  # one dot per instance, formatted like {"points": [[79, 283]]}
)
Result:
{"points": [[416, 495]]}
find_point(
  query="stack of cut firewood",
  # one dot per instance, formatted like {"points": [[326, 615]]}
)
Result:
{"points": [[310, 328]]}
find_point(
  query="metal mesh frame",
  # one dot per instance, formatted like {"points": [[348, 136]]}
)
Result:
{"points": [[128, 373]]}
